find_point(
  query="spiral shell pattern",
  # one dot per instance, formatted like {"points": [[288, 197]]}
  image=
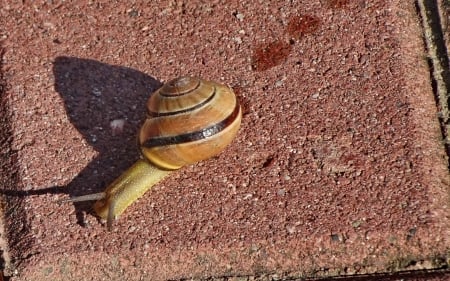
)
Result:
{"points": [[189, 120]]}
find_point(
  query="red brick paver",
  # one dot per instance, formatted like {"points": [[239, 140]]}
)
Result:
{"points": [[339, 168]]}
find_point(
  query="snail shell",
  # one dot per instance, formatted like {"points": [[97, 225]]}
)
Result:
{"points": [[189, 120]]}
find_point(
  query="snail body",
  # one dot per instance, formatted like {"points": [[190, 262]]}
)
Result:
{"points": [[188, 120]]}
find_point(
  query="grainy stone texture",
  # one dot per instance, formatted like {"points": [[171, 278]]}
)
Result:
{"points": [[338, 169]]}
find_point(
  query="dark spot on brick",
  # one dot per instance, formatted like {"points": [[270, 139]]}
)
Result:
{"points": [[269, 162], [411, 233], [338, 4], [335, 237], [133, 13], [266, 56], [299, 26]]}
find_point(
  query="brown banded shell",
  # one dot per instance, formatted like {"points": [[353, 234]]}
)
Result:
{"points": [[189, 120]]}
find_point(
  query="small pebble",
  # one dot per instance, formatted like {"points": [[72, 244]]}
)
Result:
{"points": [[240, 16], [117, 126]]}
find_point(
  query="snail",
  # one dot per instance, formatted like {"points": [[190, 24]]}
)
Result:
{"points": [[188, 120]]}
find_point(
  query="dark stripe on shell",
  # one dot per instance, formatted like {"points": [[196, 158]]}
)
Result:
{"points": [[197, 135], [203, 103], [179, 93]]}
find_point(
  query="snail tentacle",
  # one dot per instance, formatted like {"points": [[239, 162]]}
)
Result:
{"points": [[89, 197]]}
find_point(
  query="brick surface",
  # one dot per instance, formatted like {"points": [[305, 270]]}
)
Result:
{"points": [[339, 168]]}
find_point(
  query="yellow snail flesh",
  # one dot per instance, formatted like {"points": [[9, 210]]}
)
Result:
{"points": [[188, 120]]}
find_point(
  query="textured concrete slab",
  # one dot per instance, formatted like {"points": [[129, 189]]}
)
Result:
{"points": [[339, 169]]}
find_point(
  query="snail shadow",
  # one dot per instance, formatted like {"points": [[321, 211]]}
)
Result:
{"points": [[95, 94]]}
